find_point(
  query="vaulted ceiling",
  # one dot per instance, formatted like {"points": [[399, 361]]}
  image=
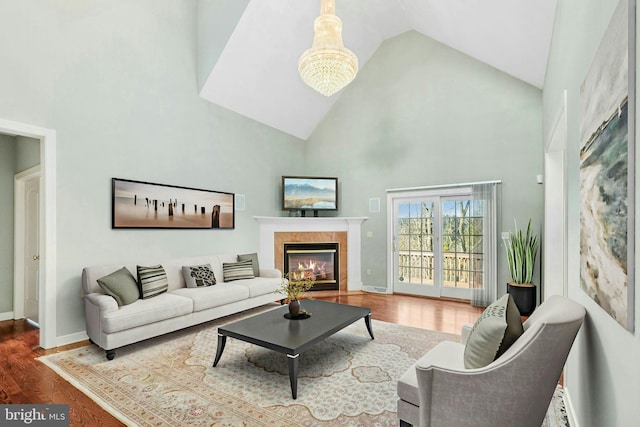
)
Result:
{"points": [[256, 71]]}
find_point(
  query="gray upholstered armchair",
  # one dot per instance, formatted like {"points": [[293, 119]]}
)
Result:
{"points": [[513, 390]]}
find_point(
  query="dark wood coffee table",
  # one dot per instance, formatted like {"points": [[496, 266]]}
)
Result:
{"points": [[292, 337]]}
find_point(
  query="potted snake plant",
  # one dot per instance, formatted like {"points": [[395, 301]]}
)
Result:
{"points": [[522, 248]]}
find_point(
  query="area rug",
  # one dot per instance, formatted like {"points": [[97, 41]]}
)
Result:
{"points": [[347, 380]]}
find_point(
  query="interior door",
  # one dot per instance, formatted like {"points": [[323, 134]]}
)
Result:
{"points": [[32, 255], [415, 243]]}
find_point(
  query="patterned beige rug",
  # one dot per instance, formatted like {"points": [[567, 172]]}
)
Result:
{"points": [[348, 380]]}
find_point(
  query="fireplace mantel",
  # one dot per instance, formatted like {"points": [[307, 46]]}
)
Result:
{"points": [[352, 225]]}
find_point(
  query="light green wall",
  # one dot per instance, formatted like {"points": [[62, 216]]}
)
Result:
{"points": [[419, 114], [602, 376], [117, 80], [7, 170], [120, 88], [27, 153]]}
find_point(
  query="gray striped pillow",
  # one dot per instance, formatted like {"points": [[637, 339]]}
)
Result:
{"points": [[152, 281], [237, 270]]}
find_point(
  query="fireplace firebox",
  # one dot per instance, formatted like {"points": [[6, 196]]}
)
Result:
{"points": [[318, 262]]}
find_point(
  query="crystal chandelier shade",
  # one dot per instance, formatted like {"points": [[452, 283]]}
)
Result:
{"points": [[328, 66]]}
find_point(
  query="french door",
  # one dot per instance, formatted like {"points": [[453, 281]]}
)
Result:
{"points": [[436, 244], [415, 242]]}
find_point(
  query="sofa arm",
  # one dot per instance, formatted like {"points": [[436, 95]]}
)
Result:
{"points": [[465, 332], [104, 302], [95, 307], [270, 272]]}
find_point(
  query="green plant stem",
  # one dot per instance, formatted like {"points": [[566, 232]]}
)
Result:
{"points": [[521, 254]]}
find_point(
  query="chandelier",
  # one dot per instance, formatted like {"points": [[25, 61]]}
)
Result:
{"points": [[328, 66]]}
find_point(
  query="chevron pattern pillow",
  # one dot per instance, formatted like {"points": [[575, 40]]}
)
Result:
{"points": [[493, 333], [152, 281]]}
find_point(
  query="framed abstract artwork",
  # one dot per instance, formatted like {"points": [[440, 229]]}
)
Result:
{"points": [[607, 159], [137, 204]]}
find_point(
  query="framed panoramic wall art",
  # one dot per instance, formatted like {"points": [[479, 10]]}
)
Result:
{"points": [[607, 159], [136, 204]]}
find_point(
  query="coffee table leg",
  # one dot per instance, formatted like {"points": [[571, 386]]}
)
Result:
{"points": [[222, 340], [367, 321], [292, 361]]}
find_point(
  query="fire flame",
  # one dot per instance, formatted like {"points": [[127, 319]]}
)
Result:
{"points": [[312, 270]]}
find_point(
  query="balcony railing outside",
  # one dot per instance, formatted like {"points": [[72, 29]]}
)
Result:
{"points": [[460, 270]]}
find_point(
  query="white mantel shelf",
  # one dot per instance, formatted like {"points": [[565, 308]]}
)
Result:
{"points": [[269, 225], [308, 221]]}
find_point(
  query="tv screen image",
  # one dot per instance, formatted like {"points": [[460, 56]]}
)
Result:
{"points": [[309, 193]]}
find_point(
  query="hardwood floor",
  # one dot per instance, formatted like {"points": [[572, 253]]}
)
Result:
{"points": [[428, 313], [25, 380]]}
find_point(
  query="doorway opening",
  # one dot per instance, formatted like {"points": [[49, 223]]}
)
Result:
{"points": [[554, 256], [46, 242]]}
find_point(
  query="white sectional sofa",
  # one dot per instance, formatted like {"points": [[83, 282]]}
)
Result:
{"points": [[111, 326]]}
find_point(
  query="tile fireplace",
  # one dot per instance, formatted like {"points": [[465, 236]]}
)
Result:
{"points": [[346, 231]]}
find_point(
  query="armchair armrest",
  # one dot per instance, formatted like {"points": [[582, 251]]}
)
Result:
{"points": [[465, 332], [447, 355]]}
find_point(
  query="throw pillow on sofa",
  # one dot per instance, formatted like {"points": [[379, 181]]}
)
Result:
{"points": [[493, 333], [152, 281], [237, 270], [198, 276], [254, 262], [121, 285]]}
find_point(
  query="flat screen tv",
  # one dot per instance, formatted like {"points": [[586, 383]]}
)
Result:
{"points": [[304, 193]]}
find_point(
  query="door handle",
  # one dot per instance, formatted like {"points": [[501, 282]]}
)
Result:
{"points": [[36, 257]]}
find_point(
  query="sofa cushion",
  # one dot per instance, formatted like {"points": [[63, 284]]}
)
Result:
{"points": [[121, 285], [237, 270], [213, 296], [152, 281], [196, 276], [145, 312], [254, 262], [261, 286], [493, 333]]}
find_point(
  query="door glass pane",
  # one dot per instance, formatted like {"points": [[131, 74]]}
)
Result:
{"points": [[415, 242], [461, 242]]}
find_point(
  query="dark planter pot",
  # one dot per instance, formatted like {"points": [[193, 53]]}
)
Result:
{"points": [[294, 308], [524, 296]]}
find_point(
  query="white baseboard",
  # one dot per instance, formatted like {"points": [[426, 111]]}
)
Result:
{"points": [[376, 289], [571, 415], [71, 338], [6, 316], [60, 341]]}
